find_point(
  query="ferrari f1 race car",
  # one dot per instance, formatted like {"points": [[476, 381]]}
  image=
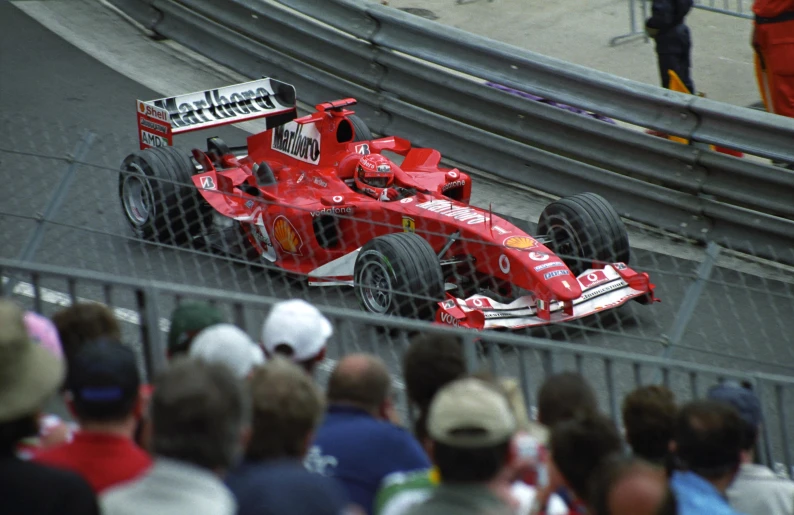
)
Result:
{"points": [[319, 196]]}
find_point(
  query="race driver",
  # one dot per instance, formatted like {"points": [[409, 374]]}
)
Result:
{"points": [[375, 177], [773, 41]]}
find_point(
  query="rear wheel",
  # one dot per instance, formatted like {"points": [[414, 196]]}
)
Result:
{"points": [[360, 130], [158, 198], [584, 229], [399, 274]]}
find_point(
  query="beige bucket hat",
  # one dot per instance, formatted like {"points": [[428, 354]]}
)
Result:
{"points": [[29, 373]]}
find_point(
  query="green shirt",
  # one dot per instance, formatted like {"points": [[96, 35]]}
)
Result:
{"points": [[461, 500], [402, 490]]}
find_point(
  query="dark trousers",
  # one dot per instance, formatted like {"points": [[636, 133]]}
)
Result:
{"points": [[673, 50], [680, 64]]}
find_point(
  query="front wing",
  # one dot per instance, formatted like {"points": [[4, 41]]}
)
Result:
{"points": [[602, 289]]}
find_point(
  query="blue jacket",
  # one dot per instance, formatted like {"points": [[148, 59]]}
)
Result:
{"points": [[359, 451], [696, 496], [284, 487]]}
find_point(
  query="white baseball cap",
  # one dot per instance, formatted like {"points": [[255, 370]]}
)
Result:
{"points": [[300, 326], [229, 345]]}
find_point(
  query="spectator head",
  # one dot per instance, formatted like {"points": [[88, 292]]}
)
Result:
{"points": [[187, 320], [43, 332], [287, 407], [745, 402], [564, 396], [200, 415], [649, 416], [29, 375], [627, 485], [104, 384], [297, 331], [228, 345], [708, 439], [471, 425], [84, 322], [579, 446], [362, 380], [431, 362]]}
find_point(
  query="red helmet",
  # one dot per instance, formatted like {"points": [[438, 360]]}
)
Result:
{"points": [[373, 174]]}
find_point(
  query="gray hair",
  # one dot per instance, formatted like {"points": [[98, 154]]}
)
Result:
{"points": [[198, 413]]}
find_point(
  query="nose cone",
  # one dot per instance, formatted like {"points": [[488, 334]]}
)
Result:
{"points": [[551, 272], [564, 287]]}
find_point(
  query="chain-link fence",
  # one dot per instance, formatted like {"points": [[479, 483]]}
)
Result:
{"points": [[69, 205], [142, 239]]}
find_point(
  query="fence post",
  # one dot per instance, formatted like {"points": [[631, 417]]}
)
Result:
{"points": [[609, 376], [154, 353], [470, 352], [691, 298], [781, 410], [523, 376], [766, 444]]}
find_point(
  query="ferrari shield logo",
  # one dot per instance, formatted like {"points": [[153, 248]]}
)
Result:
{"points": [[409, 225]]}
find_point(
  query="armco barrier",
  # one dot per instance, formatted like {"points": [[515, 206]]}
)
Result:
{"points": [[145, 305], [425, 81]]}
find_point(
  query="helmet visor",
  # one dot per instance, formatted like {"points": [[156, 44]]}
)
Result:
{"points": [[377, 182]]}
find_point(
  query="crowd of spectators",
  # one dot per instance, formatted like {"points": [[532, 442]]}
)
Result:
{"points": [[240, 426]]}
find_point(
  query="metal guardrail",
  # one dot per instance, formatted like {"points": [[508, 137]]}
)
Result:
{"points": [[142, 303], [425, 81]]}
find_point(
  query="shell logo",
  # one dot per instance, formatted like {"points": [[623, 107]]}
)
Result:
{"points": [[520, 242], [287, 237], [141, 107]]}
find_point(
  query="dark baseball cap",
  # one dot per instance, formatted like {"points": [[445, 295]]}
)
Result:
{"points": [[187, 320], [740, 397], [104, 380]]}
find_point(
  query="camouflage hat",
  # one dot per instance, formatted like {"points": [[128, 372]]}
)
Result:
{"points": [[187, 320]]}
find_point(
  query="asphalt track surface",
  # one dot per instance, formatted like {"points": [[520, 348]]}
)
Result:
{"points": [[52, 93]]}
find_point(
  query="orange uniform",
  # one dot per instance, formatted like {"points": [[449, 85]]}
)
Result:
{"points": [[773, 41]]}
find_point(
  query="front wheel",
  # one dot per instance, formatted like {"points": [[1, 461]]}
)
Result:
{"points": [[584, 229], [399, 274]]}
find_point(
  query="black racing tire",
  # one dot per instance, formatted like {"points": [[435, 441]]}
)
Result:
{"points": [[360, 130], [584, 229], [158, 198], [399, 274]]}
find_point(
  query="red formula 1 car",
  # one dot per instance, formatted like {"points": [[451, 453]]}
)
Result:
{"points": [[319, 196]]}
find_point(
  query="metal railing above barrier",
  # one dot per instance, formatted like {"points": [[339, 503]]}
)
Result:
{"points": [[639, 11], [143, 305], [738, 8]]}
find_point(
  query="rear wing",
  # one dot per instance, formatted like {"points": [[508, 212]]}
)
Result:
{"points": [[159, 120]]}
